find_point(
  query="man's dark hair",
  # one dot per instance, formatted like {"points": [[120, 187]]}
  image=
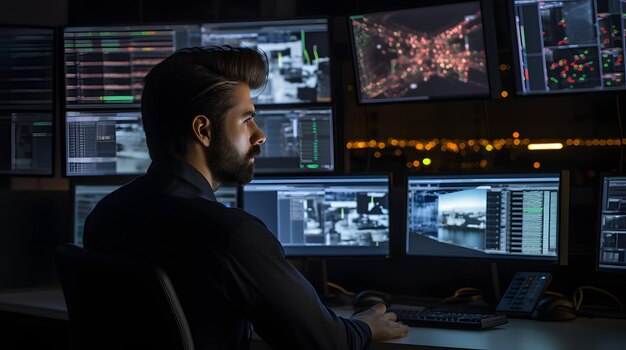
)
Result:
{"points": [[190, 82]]}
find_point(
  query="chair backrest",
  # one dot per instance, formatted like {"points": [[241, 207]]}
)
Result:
{"points": [[119, 303]]}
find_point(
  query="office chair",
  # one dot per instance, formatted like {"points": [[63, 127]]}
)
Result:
{"points": [[118, 303]]}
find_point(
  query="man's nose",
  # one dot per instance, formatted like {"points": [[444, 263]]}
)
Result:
{"points": [[258, 137]]}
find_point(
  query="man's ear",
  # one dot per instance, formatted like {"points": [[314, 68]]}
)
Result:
{"points": [[201, 126]]}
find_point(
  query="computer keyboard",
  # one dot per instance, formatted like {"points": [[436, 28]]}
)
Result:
{"points": [[446, 319]]}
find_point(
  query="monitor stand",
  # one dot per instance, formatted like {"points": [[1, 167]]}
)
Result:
{"points": [[495, 282]]}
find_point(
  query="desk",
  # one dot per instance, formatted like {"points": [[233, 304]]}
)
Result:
{"points": [[46, 302], [518, 334]]}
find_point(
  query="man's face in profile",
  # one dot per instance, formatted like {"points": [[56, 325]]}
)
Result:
{"points": [[235, 144]]}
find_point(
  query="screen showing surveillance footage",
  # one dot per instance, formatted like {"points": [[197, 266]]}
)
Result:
{"points": [[565, 46], [105, 143], [298, 140], [298, 52], [421, 53], [612, 245], [324, 216], [506, 217], [86, 197], [105, 66]]}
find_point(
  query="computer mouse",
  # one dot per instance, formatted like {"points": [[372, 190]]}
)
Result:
{"points": [[552, 308], [368, 298]]}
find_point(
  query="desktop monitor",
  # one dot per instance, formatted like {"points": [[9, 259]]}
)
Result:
{"points": [[87, 196], [299, 139], [611, 254], [298, 52], [26, 68], [105, 143], [568, 46], [430, 52], [324, 215], [26, 143], [105, 66], [521, 216]]}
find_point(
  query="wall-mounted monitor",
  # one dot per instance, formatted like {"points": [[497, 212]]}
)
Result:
{"points": [[521, 216], [26, 143], [429, 52], [86, 197], [324, 216], [611, 254], [299, 140], [105, 143], [26, 68], [298, 52], [105, 66], [568, 46]]}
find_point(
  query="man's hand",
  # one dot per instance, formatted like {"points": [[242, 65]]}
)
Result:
{"points": [[383, 324]]}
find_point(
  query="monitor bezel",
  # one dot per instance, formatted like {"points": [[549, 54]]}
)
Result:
{"points": [[563, 219], [598, 229], [491, 56], [333, 138], [388, 176]]}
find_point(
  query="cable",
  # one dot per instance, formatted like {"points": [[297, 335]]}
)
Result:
{"points": [[367, 140], [578, 296], [340, 288], [621, 133], [461, 294], [556, 294]]}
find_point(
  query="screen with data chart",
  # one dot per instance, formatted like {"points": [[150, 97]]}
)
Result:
{"points": [[612, 230], [298, 140], [105, 66]]}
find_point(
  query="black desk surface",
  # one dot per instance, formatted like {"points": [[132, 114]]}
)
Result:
{"points": [[518, 334]]}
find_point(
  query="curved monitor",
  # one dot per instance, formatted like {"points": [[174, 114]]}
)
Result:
{"points": [[429, 52], [324, 216], [522, 216], [568, 46], [611, 254]]}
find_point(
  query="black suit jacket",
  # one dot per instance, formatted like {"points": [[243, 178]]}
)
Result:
{"points": [[227, 268]]}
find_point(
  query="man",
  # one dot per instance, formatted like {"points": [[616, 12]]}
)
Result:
{"points": [[227, 268]]}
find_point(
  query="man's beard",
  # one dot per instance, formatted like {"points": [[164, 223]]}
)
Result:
{"points": [[227, 166]]}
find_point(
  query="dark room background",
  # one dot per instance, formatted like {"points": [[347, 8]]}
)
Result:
{"points": [[36, 214]]}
